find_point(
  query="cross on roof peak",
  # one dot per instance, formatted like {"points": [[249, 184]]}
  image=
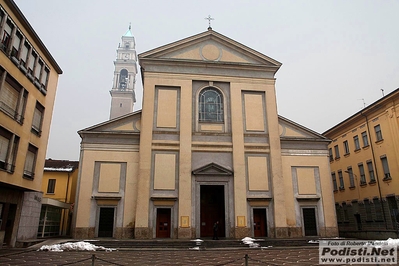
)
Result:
{"points": [[209, 18]]}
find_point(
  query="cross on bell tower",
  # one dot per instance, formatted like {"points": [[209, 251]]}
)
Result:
{"points": [[122, 93]]}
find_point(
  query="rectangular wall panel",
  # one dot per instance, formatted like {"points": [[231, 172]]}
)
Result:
{"points": [[165, 171], [254, 112], [167, 108], [306, 181], [258, 173], [110, 174]]}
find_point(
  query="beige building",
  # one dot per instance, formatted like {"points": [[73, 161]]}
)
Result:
{"points": [[28, 83], [59, 191], [364, 160], [207, 146]]}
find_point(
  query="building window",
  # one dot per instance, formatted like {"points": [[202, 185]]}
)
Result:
{"points": [[330, 154], [378, 209], [31, 64], [37, 119], [378, 133], [44, 78], [13, 99], [8, 150], [367, 206], [339, 213], [371, 171], [345, 210], [6, 37], [123, 79], [336, 149], [365, 139], [16, 44], [51, 186], [30, 162], [385, 166], [356, 141], [351, 177], [24, 56], [334, 180], [362, 174], [210, 105], [346, 147], [341, 181]]}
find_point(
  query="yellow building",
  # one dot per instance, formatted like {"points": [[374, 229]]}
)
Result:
{"points": [[207, 146], [59, 190], [364, 160], [28, 83]]}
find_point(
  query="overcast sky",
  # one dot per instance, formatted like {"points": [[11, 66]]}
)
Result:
{"points": [[337, 55]]}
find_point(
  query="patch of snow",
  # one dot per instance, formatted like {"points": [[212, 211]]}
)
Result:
{"points": [[195, 248], [74, 246], [313, 241], [55, 169], [197, 240], [250, 242], [266, 247]]}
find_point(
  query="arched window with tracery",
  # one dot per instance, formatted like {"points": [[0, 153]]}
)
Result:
{"points": [[210, 104]]}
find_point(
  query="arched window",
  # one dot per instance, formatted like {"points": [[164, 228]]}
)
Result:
{"points": [[123, 79], [210, 104]]}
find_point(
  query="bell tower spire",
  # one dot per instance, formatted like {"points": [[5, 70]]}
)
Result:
{"points": [[122, 93]]}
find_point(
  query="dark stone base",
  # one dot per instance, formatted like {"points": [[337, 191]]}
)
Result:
{"points": [[184, 233], [241, 232], [281, 232], [124, 233], [83, 232], [143, 233], [329, 232]]}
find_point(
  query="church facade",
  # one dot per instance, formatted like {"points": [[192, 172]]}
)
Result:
{"points": [[208, 145]]}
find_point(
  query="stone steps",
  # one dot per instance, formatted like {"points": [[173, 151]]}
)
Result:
{"points": [[187, 244]]}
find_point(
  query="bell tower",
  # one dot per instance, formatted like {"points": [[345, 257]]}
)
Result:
{"points": [[122, 93]]}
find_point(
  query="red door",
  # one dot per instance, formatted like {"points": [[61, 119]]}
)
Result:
{"points": [[260, 229], [163, 223]]}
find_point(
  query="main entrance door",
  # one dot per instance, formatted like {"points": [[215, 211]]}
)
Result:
{"points": [[163, 223], [106, 222], [309, 221], [212, 209], [260, 229]]}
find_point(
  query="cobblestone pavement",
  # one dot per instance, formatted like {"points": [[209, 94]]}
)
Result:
{"points": [[271, 256]]}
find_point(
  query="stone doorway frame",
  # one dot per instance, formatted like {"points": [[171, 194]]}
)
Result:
{"points": [[228, 184]]}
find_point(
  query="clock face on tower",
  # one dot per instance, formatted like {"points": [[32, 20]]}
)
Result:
{"points": [[126, 56]]}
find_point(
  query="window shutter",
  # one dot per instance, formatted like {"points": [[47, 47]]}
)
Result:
{"points": [[30, 158], [4, 143], [9, 96], [37, 119], [8, 28], [24, 53], [16, 42]]}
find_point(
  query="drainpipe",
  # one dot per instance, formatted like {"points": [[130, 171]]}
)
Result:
{"points": [[376, 172]]}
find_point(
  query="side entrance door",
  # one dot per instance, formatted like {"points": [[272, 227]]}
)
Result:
{"points": [[260, 229], [106, 222], [309, 221], [163, 223]]}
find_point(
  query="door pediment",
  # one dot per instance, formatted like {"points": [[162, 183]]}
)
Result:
{"points": [[212, 169]]}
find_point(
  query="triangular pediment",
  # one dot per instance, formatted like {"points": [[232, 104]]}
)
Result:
{"points": [[130, 123], [210, 46], [291, 130], [212, 169]]}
